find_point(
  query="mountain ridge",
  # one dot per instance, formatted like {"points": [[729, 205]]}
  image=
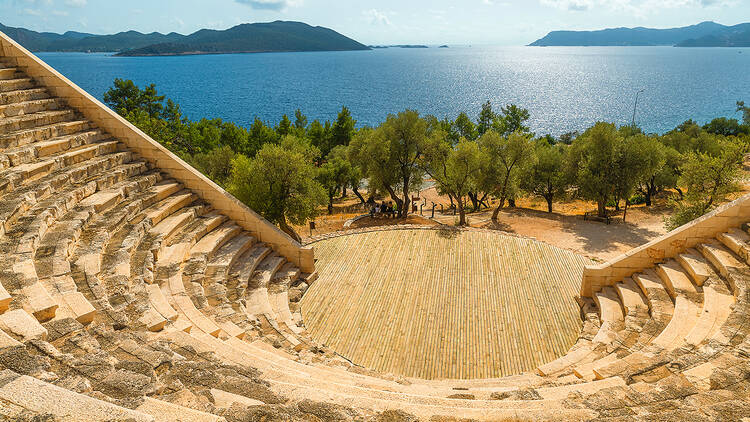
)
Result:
{"points": [[641, 36], [274, 36]]}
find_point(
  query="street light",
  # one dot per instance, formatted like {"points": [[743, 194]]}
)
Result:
{"points": [[636, 104]]}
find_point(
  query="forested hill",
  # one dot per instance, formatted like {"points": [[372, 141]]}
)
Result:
{"points": [[740, 37], [708, 34], [254, 38], [245, 38]]}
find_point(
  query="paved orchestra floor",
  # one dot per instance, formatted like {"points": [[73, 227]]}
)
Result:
{"points": [[444, 304]]}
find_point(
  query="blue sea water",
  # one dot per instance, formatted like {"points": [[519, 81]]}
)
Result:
{"points": [[564, 88]]}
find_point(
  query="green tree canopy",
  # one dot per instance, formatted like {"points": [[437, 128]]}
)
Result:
{"points": [[593, 163], [389, 156], [126, 97], [279, 183], [545, 175], [336, 173], [708, 180], [455, 169], [506, 157], [215, 164]]}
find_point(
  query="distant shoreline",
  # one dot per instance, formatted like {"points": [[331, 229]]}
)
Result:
{"points": [[208, 53]]}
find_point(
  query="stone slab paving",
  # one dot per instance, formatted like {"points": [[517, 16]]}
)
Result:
{"points": [[442, 303]]}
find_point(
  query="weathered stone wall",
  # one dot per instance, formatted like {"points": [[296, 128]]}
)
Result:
{"points": [[729, 215], [156, 154]]}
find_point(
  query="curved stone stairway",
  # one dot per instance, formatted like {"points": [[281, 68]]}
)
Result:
{"points": [[124, 296]]}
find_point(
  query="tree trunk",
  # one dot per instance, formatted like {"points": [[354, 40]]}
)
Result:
{"points": [[359, 195], [650, 191], [407, 200], [286, 228], [343, 191], [481, 202], [601, 208], [549, 204], [496, 212], [461, 213], [396, 199], [330, 203], [512, 202], [625, 213]]}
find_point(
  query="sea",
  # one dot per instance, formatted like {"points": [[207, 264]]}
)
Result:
{"points": [[565, 89]]}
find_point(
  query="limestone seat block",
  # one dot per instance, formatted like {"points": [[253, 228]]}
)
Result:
{"points": [[7, 341], [5, 299], [232, 329], [695, 265], [42, 305], [41, 397], [159, 302], [631, 296], [153, 320], [226, 400], [21, 324], [163, 411], [82, 309]]}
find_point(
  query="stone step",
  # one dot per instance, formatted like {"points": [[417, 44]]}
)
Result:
{"points": [[210, 243], [676, 280], [35, 120], [42, 133], [163, 411], [227, 255], [281, 379], [16, 84], [631, 297], [12, 97], [717, 306], [5, 299], [611, 315], [695, 265], [723, 261], [737, 241], [28, 107], [33, 152], [32, 395], [26, 173], [10, 73], [160, 303], [266, 270], [22, 325], [196, 230], [225, 400]]}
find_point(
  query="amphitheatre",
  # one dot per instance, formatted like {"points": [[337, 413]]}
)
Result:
{"points": [[133, 288]]}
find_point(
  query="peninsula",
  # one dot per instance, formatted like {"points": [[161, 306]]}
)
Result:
{"points": [[278, 36], [705, 34]]}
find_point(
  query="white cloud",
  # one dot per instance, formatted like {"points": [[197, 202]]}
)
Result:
{"points": [[276, 5], [76, 3], [635, 7], [376, 17]]}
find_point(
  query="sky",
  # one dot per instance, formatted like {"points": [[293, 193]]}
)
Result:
{"points": [[498, 22]]}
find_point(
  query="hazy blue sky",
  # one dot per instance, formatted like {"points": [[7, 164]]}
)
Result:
{"points": [[507, 22]]}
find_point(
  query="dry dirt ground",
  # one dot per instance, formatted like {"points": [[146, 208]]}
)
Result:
{"points": [[564, 228]]}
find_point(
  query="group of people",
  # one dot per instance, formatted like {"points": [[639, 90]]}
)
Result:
{"points": [[383, 209]]}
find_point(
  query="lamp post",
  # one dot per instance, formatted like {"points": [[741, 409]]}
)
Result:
{"points": [[635, 106]]}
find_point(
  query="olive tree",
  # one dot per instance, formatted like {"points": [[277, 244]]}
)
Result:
{"points": [[279, 183]]}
